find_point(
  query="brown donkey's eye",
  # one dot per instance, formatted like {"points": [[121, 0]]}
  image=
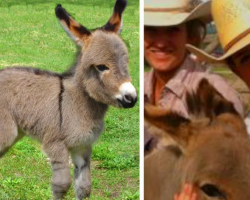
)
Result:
{"points": [[102, 67], [212, 191]]}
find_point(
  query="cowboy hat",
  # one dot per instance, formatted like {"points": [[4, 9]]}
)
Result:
{"points": [[232, 20], [174, 12]]}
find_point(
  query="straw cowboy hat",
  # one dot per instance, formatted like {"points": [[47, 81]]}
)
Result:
{"points": [[232, 20], [174, 12]]}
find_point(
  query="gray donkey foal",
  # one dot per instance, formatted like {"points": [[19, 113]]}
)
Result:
{"points": [[65, 112]]}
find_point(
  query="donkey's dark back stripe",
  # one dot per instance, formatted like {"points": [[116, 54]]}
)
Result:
{"points": [[60, 99]]}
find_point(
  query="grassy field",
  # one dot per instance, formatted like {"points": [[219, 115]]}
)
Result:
{"points": [[30, 35]]}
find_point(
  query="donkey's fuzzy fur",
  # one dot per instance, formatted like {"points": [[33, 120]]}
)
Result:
{"points": [[65, 112], [211, 150]]}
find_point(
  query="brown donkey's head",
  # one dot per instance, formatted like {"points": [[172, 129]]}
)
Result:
{"points": [[211, 150], [101, 69]]}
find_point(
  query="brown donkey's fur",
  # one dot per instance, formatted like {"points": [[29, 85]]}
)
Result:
{"points": [[211, 150], [65, 112]]}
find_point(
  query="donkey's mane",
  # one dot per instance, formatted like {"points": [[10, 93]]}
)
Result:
{"points": [[34, 70], [66, 74], [208, 102]]}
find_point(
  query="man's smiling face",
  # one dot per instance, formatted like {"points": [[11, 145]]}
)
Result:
{"points": [[164, 47]]}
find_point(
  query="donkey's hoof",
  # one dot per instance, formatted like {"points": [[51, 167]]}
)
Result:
{"points": [[59, 195], [83, 193]]}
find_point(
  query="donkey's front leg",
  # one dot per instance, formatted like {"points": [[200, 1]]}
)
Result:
{"points": [[59, 157], [82, 173]]}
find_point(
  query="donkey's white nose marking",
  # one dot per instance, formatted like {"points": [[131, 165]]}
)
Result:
{"points": [[127, 96], [127, 89]]}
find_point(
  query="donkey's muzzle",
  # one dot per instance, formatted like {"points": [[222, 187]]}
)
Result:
{"points": [[128, 96], [128, 101]]}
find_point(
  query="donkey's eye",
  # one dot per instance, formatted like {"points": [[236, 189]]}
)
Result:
{"points": [[102, 67], [212, 191]]}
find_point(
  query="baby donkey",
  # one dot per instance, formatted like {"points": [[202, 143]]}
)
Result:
{"points": [[65, 112]]}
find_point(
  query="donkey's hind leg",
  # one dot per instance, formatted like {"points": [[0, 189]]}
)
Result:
{"points": [[8, 132], [59, 158], [82, 173]]}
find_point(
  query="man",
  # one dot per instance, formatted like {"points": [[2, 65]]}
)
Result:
{"points": [[232, 21]]}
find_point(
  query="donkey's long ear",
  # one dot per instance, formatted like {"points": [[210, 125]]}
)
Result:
{"points": [[167, 126], [208, 101], [75, 31], [115, 22]]}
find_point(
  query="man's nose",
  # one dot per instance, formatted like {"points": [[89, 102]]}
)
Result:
{"points": [[161, 39]]}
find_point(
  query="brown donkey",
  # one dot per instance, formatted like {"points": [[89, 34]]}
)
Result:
{"points": [[211, 150], [65, 112]]}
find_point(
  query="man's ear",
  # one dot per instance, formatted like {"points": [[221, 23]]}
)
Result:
{"points": [[75, 30]]}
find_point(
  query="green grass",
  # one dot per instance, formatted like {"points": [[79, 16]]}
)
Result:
{"points": [[30, 35]]}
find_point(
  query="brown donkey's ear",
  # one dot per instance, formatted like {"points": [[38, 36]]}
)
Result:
{"points": [[75, 31], [115, 22], [167, 126]]}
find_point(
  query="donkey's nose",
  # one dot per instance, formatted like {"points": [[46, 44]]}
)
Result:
{"points": [[129, 101], [128, 95]]}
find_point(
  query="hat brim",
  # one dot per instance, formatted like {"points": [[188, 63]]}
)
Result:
{"points": [[202, 12], [202, 55]]}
